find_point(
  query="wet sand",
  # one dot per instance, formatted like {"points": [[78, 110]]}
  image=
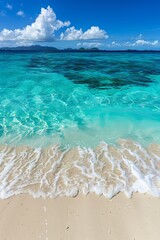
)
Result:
{"points": [[53, 172], [88, 217]]}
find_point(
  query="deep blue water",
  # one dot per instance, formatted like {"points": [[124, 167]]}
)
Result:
{"points": [[79, 98]]}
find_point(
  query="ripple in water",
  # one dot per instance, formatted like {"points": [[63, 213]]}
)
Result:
{"points": [[55, 109]]}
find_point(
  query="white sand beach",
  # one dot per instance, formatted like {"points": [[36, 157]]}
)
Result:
{"points": [[83, 217]]}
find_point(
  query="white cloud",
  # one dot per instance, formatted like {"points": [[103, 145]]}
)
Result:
{"points": [[41, 30], [71, 34], [115, 44], [90, 44], [20, 13], [92, 33], [9, 6], [44, 28], [95, 33], [142, 43], [140, 36], [23, 43]]}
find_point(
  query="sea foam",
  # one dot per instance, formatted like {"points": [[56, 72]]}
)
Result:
{"points": [[105, 170]]}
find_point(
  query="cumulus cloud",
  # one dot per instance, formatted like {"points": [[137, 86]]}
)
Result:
{"points": [[90, 44], [142, 43], [42, 29], [115, 44], [20, 13], [9, 6], [92, 33]]}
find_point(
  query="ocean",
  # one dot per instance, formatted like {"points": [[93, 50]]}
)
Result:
{"points": [[79, 123]]}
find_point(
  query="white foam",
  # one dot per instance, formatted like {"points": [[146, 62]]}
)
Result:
{"points": [[106, 170]]}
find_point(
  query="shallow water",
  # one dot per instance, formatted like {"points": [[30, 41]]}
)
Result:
{"points": [[78, 101], [106, 170]]}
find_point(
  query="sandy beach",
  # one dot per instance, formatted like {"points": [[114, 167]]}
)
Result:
{"points": [[83, 217], [79, 120]]}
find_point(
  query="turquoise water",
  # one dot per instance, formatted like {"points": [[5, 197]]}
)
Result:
{"points": [[78, 123], [79, 98]]}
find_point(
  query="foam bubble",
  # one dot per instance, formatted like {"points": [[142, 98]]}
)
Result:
{"points": [[106, 170]]}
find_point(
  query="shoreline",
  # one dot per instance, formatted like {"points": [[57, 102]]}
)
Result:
{"points": [[105, 170], [88, 217]]}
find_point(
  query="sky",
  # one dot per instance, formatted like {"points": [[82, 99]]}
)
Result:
{"points": [[106, 24]]}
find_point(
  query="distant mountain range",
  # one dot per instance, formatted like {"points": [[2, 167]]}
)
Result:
{"points": [[30, 48], [39, 48]]}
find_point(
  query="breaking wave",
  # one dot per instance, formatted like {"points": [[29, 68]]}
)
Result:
{"points": [[106, 170]]}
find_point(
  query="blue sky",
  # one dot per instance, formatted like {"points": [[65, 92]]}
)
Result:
{"points": [[114, 24]]}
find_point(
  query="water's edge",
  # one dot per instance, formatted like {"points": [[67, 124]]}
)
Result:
{"points": [[106, 170]]}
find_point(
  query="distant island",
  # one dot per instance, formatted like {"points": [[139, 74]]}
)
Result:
{"points": [[39, 48]]}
